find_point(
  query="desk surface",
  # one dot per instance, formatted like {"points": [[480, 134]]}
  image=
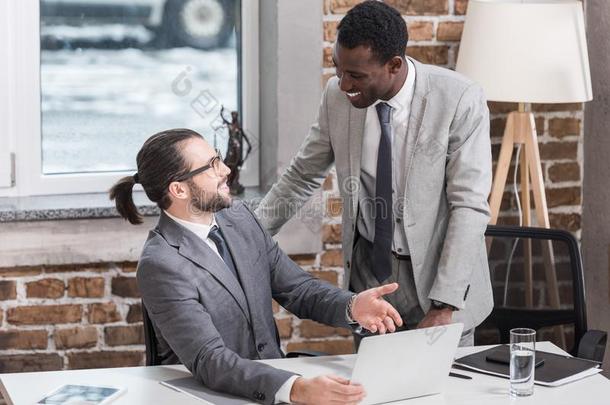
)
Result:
{"points": [[143, 384]]}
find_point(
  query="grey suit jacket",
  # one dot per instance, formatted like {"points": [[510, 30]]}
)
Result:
{"points": [[206, 320], [448, 180]]}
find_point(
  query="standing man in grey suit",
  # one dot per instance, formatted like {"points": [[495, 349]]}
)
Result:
{"points": [[411, 147], [208, 273]]}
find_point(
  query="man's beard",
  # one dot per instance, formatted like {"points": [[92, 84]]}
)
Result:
{"points": [[204, 201]]}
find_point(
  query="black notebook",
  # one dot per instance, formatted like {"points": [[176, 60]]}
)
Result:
{"points": [[555, 370]]}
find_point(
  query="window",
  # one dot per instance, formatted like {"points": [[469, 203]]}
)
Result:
{"points": [[5, 101], [90, 80]]}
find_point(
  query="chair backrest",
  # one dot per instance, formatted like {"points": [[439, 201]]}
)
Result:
{"points": [[150, 339], [538, 283]]}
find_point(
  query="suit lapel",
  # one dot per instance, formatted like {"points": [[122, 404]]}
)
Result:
{"points": [[418, 110], [355, 130], [243, 261], [193, 248]]}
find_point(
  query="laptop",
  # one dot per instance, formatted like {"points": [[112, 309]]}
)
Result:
{"points": [[406, 364]]}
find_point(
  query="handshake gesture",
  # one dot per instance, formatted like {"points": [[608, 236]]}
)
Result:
{"points": [[372, 312]]}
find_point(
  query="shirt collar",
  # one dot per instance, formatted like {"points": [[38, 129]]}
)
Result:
{"points": [[401, 99], [200, 230]]}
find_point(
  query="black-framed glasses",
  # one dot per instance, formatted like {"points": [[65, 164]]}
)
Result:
{"points": [[215, 163]]}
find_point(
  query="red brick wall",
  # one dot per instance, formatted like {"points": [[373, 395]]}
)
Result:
{"points": [[76, 316]]}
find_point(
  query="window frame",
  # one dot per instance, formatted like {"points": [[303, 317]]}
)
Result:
{"points": [[6, 170], [20, 106]]}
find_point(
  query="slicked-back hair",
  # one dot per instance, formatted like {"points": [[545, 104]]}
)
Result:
{"points": [[160, 161], [375, 25]]}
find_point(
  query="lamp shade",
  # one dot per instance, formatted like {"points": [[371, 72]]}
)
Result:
{"points": [[527, 51]]}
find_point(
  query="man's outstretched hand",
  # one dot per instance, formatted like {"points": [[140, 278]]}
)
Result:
{"points": [[372, 312]]}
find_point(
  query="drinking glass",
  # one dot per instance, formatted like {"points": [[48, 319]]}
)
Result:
{"points": [[522, 361]]}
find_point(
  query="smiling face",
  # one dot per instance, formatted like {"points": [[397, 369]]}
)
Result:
{"points": [[208, 190], [365, 79]]}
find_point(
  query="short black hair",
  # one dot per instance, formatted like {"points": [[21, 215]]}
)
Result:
{"points": [[375, 25]]}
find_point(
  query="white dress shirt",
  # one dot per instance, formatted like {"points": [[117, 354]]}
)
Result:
{"points": [[399, 122], [202, 231]]}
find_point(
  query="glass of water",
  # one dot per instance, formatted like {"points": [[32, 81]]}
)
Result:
{"points": [[522, 361]]}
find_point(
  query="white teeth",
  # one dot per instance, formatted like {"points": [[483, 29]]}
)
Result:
{"points": [[353, 94]]}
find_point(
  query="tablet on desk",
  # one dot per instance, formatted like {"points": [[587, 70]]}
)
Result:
{"points": [[82, 395], [501, 355]]}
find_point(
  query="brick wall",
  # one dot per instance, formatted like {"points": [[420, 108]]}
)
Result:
{"points": [[76, 316]]}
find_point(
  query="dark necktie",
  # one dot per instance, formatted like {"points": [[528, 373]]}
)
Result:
{"points": [[216, 236], [382, 244]]}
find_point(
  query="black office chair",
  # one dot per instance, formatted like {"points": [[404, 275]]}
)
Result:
{"points": [[150, 339], [153, 359], [558, 314]]}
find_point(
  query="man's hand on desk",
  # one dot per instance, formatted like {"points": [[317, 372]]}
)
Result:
{"points": [[326, 389], [436, 317], [372, 312]]}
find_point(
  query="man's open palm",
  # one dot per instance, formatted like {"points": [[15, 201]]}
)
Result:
{"points": [[372, 312]]}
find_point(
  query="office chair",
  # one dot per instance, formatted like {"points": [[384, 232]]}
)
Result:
{"points": [[538, 283], [150, 339]]}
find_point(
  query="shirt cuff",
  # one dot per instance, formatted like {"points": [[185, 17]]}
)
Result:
{"points": [[283, 394]]}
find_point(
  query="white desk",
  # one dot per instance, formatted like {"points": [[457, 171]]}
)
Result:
{"points": [[143, 384]]}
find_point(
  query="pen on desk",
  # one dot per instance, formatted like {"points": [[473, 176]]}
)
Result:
{"points": [[462, 376]]}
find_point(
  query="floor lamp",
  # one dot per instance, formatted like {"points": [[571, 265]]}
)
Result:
{"points": [[526, 51]]}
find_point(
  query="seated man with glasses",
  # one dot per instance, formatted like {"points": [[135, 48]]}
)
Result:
{"points": [[208, 273]]}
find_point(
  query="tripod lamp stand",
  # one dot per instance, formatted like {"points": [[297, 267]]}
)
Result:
{"points": [[526, 51]]}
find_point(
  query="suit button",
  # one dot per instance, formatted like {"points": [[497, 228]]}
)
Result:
{"points": [[259, 396], [398, 220], [261, 347], [348, 264]]}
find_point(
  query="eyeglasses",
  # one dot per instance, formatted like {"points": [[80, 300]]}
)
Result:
{"points": [[215, 164]]}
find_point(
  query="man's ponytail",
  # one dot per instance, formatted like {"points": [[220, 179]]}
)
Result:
{"points": [[122, 194], [159, 162]]}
